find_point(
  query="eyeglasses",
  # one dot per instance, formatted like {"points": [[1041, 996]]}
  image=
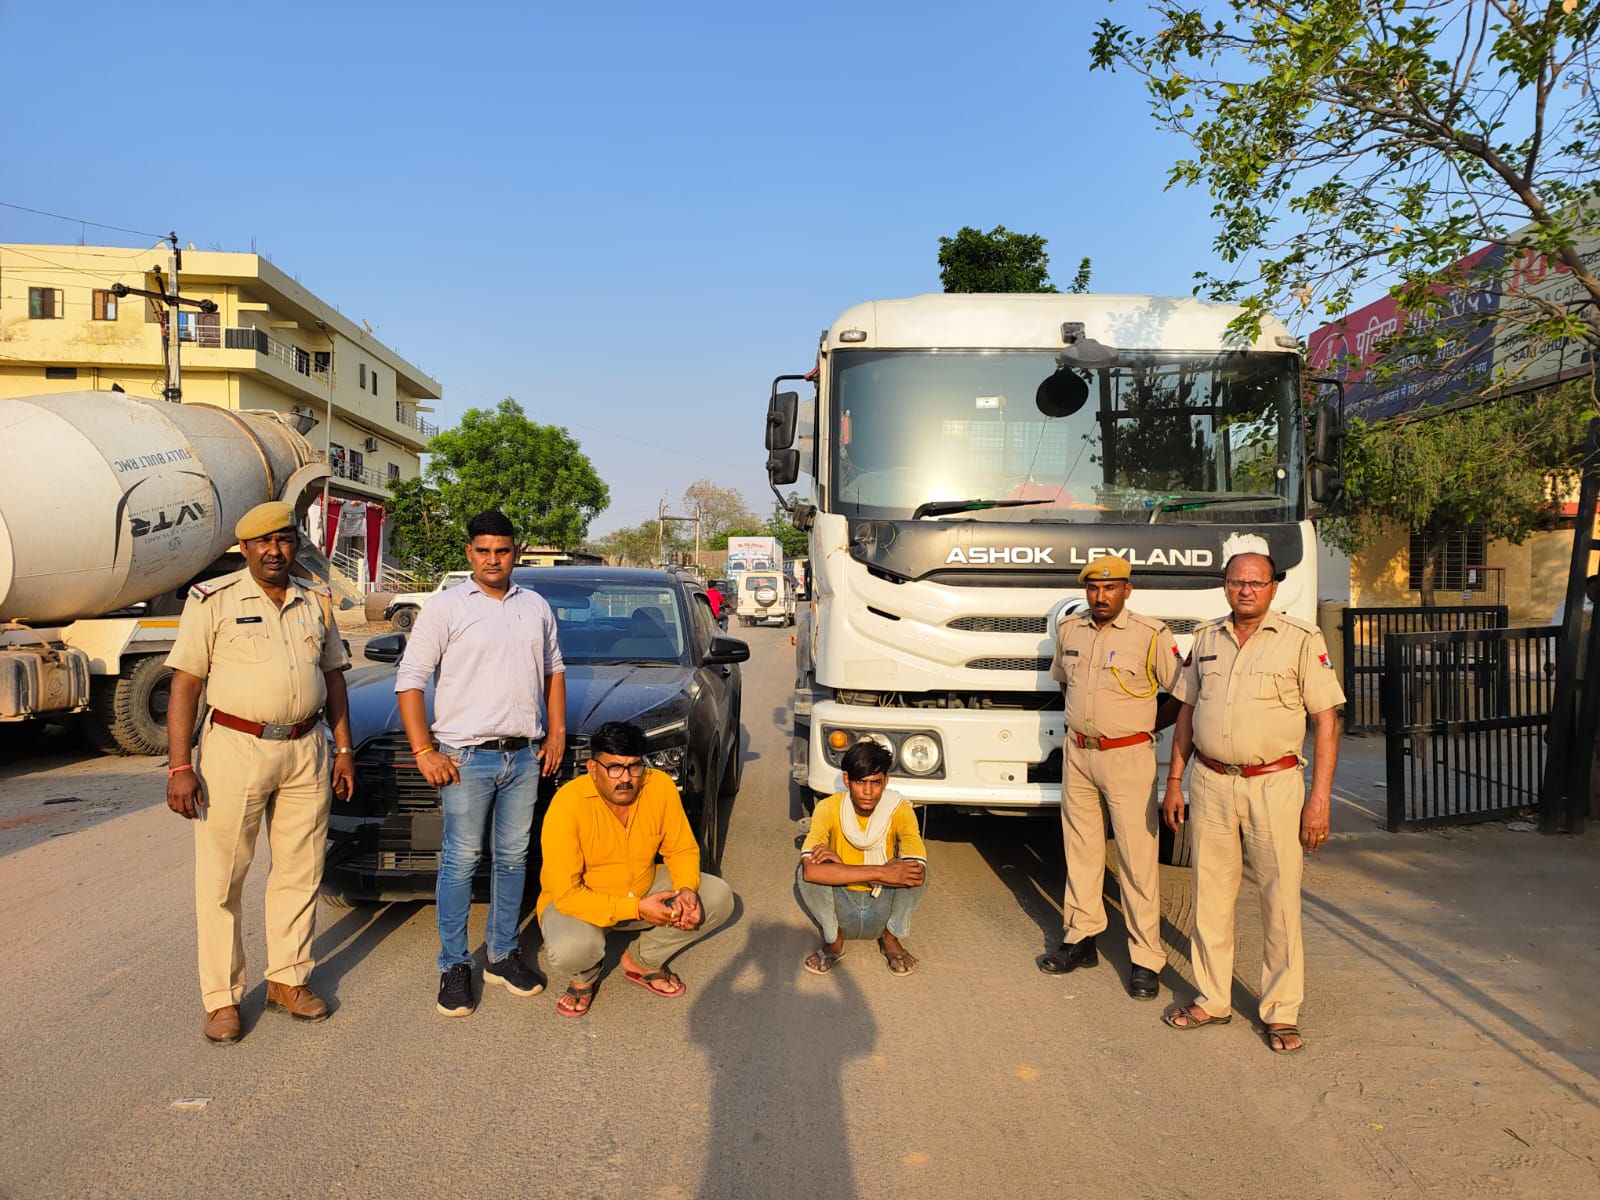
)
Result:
{"points": [[618, 770], [1247, 585]]}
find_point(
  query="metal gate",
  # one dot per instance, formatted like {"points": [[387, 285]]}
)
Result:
{"points": [[1364, 632], [1465, 714]]}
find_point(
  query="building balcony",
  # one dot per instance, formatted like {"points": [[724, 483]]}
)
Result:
{"points": [[362, 477], [407, 416]]}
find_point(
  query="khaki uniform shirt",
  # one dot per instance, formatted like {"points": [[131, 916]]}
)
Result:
{"points": [[259, 662], [1250, 703], [1111, 677]]}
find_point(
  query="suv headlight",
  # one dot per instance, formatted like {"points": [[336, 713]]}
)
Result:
{"points": [[669, 759]]}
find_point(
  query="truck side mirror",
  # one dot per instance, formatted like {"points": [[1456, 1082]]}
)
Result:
{"points": [[783, 466], [782, 414], [1327, 449]]}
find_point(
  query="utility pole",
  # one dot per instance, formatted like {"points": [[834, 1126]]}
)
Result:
{"points": [[662, 517], [171, 300]]}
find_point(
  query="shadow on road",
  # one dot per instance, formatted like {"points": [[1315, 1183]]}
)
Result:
{"points": [[777, 1123], [342, 947]]}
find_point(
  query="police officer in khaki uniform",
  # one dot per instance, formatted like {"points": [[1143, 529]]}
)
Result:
{"points": [[1112, 664], [264, 646], [1251, 683]]}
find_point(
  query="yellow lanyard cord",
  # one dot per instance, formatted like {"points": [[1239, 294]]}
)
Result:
{"points": [[1149, 670]]}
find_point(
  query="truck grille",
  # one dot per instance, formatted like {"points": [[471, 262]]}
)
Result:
{"points": [[1009, 664], [999, 624], [1181, 624]]}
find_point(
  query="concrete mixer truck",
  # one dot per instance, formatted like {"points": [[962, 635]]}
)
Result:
{"points": [[110, 507]]}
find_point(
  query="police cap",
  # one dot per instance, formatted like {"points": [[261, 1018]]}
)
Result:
{"points": [[264, 519], [1107, 566]]}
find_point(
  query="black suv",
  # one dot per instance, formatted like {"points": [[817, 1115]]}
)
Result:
{"points": [[639, 645]]}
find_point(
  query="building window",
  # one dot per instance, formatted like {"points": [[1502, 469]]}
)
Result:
{"points": [[374, 381], [394, 472], [61, 372], [1464, 550], [321, 361], [44, 304], [336, 459], [105, 305], [203, 329], [358, 463], [361, 377]]}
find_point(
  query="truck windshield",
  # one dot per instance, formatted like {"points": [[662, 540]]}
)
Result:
{"points": [[1160, 437]]}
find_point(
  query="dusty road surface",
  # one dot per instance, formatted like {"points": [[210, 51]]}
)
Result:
{"points": [[1451, 1024]]}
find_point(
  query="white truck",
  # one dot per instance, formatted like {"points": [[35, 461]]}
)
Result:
{"points": [[110, 507], [968, 455], [401, 611], [754, 554]]}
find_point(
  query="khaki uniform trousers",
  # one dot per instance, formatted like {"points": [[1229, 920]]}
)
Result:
{"points": [[1234, 819], [1124, 777], [246, 778]]}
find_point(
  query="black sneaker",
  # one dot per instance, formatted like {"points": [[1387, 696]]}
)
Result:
{"points": [[455, 992], [516, 976]]}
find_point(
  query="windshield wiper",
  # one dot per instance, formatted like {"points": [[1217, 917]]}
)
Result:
{"points": [[1183, 503], [938, 508]]}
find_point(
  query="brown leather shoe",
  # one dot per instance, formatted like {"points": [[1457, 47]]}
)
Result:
{"points": [[222, 1026], [299, 1001]]}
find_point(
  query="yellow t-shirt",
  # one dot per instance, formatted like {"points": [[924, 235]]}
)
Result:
{"points": [[903, 841]]}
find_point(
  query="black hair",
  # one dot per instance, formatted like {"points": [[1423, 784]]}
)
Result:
{"points": [[622, 738], [1271, 566], [494, 523], [866, 758]]}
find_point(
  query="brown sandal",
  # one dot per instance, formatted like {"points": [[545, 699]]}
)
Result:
{"points": [[820, 961], [1185, 1014], [567, 1005]]}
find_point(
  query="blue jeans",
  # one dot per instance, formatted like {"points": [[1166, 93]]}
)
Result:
{"points": [[861, 915], [508, 786]]}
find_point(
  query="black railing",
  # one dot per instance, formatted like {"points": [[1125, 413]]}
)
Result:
{"points": [[1466, 713], [1365, 631]]}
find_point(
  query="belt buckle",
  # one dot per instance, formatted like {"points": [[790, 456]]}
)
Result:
{"points": [[1233, 769], [272, 732]]}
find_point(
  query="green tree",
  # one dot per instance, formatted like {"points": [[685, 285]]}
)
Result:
{"points": [[1491, 465], [637, 546], [536, 474], [425, 537], [1349, 141], [997, 261]]}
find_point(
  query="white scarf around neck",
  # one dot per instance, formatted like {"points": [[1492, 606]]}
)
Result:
{"points": [[873, 841]]}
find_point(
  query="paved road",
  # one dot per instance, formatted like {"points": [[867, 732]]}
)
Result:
{"points": [[1451, 1024]]}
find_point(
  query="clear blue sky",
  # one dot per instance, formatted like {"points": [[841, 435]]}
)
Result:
{"points": [[628, 216]]}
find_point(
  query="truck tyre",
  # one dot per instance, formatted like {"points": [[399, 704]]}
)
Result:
{"points": [[1176, 847], [128, 714], [404, 618]]}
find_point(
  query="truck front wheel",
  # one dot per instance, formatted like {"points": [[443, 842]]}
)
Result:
{"points": [[128, 713], [404, 618]]}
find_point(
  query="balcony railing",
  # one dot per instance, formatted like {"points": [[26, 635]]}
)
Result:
{"points": [[341, 469], [406, 416], [305, 362]]}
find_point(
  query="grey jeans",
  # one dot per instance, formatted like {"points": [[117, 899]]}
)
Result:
{"points": [[576, 948], [861, 915]]}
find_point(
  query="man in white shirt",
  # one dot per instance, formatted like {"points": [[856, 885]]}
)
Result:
{"points": [[499, 714]]}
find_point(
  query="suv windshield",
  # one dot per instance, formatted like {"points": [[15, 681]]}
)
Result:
{"points": [[1159, 437], [603, 621]]}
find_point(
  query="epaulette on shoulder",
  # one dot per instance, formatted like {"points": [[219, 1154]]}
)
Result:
{"points": [[208, 588], [1297, 623]]}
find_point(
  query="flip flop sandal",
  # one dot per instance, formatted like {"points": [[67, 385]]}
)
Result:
{"points": [[900, 964], [648, 980], [1275, 1040], [824, 961], [574, 994], [1189, 1023]]}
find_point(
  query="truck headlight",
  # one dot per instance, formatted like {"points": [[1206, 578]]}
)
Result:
{"points": [[919, 754]]}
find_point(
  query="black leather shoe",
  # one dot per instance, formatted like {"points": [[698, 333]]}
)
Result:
{"points": [[1143, 985], [1065, 957]]}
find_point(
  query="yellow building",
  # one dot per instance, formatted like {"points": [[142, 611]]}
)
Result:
{"points": [[270, 344]]}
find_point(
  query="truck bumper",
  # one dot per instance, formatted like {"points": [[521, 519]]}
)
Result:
{"points": [[989, 759]]}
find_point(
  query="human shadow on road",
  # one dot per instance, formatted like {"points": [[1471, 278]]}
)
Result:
{"points": [[776, 1053], [344, 944]]}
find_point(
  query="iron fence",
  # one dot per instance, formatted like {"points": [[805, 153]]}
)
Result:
{"points": [[1466, 713], [1365, 633]]}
